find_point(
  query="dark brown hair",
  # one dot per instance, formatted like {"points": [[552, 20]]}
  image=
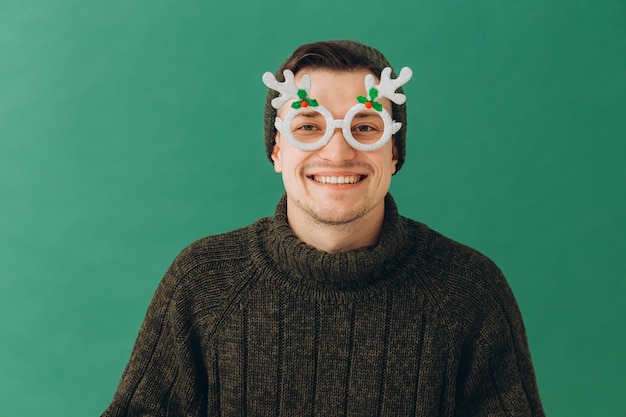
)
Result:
{"points": [[341, 55]]}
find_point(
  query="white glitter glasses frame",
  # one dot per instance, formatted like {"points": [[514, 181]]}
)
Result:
{"points": [[289, 90]]}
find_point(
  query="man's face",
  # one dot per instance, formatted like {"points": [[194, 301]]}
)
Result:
{"points": [[335, 184]]}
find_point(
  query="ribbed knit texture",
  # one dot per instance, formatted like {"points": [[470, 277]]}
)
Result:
{"points": [[257, 323]]}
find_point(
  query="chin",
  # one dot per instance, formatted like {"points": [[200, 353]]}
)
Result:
{"points": [[336, 217]]}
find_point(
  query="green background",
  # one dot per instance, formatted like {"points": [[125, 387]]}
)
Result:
{"points": [[129, 129]]}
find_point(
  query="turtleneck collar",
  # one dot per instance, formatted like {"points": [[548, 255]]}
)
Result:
{"points": [[293, 259]]}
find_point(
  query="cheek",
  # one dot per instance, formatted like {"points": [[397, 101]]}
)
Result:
{"points": [[390, 158], [287, 159]]}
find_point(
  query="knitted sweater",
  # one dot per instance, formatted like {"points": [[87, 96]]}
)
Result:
{"points": [[255, 322]]}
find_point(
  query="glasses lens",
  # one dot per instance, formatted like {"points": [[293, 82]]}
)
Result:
{"points": [[367, 127], [308, 126]]}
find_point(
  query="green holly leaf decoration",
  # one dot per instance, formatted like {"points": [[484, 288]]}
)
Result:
{"points": [[374, 104], [302, 94], [313, 103], [296, 104]]}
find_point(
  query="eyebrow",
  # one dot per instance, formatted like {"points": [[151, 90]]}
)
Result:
{"points": [[310, 114], [363, 115]]}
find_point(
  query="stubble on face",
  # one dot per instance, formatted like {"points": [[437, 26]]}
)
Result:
{"points": [[329, 212]]}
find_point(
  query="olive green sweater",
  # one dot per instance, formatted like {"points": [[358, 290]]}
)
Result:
{"points": [[255, 322]]}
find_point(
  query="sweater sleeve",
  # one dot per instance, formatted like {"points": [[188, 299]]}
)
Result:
{"points": [[496, 376], [165, 375]]}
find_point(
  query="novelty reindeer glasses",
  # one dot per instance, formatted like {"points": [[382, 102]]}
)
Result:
{"points": [[308, 126]]}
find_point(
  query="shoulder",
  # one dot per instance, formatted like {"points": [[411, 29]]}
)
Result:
{"points": [[209, 272], [461, 282], [454, 260], [204, 281], [215, 250]]}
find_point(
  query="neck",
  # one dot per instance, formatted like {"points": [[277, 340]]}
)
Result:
{"points": [[337, 237]]}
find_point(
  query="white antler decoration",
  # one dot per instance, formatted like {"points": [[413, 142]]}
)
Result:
{"points": [[288, 89], [387, 87]]}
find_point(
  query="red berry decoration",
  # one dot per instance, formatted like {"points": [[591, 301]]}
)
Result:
{"points": [[368, 105], [305, 103]]}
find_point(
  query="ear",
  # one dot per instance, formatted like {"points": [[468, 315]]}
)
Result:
{"points": [[276, 155], [394, 156]]}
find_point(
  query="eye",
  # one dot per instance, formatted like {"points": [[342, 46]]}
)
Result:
{"points": [[367, 128], [364, 128], [308, 127], [308, 123], [307, 131]]}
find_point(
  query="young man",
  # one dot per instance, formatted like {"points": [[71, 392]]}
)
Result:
{"points": [[337, 305]]}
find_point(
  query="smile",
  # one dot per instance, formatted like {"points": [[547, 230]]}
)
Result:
{"points": [[337, 180]]}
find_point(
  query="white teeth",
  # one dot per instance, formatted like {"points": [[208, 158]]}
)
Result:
{"points": [[348, 179]]}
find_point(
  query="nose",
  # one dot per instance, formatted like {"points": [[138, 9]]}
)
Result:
{"points": [[337, 149]]}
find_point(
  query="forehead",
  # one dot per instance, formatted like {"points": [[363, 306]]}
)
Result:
{"points": [[337, 89], [323, 77]]}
